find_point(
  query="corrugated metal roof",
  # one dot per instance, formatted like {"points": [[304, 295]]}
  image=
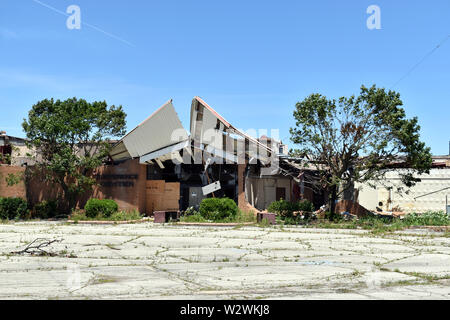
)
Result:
{"points": [[209, 121], [163, 128]]}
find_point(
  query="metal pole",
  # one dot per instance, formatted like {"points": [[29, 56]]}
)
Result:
{"points": [[446, 204]]}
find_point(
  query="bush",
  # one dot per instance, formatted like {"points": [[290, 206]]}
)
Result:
{"points": [[45, 209], [286, 209], [283, 208], [13, 208], [103, 207], [217, 209], [305, 205]]}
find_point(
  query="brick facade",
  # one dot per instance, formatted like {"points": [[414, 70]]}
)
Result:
{"points": [[17, 190], [126, 183]]}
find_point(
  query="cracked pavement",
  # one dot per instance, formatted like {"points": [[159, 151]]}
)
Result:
{"points": [[151, 261]]}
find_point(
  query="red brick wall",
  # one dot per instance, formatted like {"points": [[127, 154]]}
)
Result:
{"points": [[17, 190], [127, 196]]}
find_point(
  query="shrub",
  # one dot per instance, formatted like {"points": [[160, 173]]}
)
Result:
{"points": [[103, 207], [286, 209], [291, 221], [283, 208], [305, 205], [217, 209], [13, 208], [45, 209]]}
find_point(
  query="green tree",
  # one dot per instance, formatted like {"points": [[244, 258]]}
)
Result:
{"points": [[72, 138], [357, 139]]}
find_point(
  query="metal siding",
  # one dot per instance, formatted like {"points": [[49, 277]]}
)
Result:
{"points": [[119, 152], [405, 200], [154, 133]]}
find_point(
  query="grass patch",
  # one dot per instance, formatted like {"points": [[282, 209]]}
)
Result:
{"points": [[102, 280], [240, 217], [378, 225], [117, 216], [193, 218]]}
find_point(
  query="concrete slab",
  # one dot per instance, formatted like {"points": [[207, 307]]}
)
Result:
{"points": [[151, 261]]}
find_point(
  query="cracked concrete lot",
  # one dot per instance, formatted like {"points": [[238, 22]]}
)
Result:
{"points": [[149, 261]]}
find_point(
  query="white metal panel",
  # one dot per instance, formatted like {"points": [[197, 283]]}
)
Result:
{"points": [[119, 152], [202, 129], [163, 152], [210, 188], [163, 128], [414, 199]]}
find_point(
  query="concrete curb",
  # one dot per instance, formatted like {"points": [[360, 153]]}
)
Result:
{"points": [[213, 224], [434, 228]]}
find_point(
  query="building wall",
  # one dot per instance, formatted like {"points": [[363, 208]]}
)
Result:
{"points": [[17, 190], [241, 189], [21, 155], [261, 192], [115, 182], [125, 183], [404, 200]]}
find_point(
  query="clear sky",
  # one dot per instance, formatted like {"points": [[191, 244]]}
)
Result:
{"points": [[250, 60]]}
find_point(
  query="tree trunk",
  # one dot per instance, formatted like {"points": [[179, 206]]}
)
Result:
{"points": [[68, 198], [332, 202]]}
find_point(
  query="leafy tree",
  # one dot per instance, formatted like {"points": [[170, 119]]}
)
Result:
{"points": [[357, 139], [72, 138]]}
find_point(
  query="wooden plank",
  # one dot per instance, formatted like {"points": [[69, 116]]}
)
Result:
{"points": [[155, 186], [162, 196]]}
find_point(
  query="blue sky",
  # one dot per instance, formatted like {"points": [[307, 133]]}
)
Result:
{"points": [[250, 60]]}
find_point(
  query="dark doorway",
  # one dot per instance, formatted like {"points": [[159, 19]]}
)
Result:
{"points": [[280, 194]]}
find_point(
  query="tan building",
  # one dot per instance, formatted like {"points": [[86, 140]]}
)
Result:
{"points": [[14, 151], [431, 194]]}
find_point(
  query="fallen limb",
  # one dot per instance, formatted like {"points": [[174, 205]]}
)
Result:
{"points": [[36, 247]]}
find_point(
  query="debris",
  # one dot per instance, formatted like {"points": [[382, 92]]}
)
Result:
{"points": [[210, 188], [348, 216], [35, 248], [321, 213], [352, 207], [247, 207]]}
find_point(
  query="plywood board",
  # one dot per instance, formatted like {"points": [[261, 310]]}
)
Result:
{"points": [[155, 186], [162, 196]]}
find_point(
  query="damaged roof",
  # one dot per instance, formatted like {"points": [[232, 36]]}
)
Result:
{"points": [[161, 129], [161, 137]]}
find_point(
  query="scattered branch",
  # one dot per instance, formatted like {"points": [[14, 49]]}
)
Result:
{"points": [[36, 247]]}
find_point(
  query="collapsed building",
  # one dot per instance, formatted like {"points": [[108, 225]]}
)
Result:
{"points": [[215, 159], [160, 166]]}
